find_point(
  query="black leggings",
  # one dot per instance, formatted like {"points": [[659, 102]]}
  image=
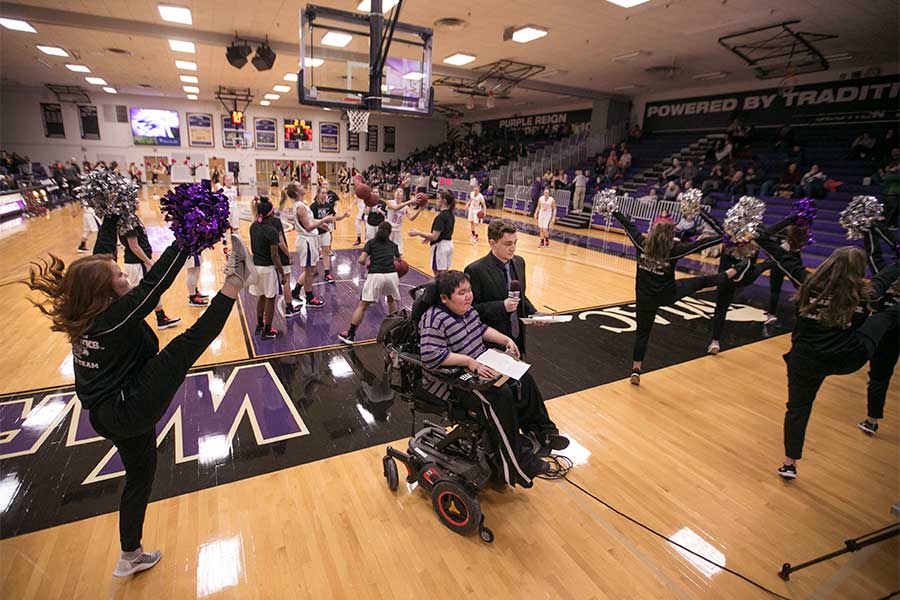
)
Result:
{"points": [[881, 368], [648, 307], [130, 419], [725, 296], [807, 369]]}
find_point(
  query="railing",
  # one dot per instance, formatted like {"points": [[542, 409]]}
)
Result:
{"points": [[638, 210]]}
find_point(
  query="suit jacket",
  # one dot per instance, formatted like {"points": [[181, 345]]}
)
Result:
{"points": [[490, 289]]}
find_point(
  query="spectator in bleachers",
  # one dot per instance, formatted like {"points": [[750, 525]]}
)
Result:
{"points": [[671, 192], [714, 181], [612, 167], [25, 167], [662, 216], [724, 149], [652, 196], [687, 228], [688, 172], [673, 172], [753, 178], [788, 184], [736, 186], [813, 182], [625, 160], [795, 155], [636, 134], [863, 146]]}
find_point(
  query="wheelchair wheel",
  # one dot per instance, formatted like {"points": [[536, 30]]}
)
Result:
{"points": [[456, 507], [390, 472]]}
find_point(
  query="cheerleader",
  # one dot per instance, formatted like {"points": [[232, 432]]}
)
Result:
{"points": [[546, 216], [655, 283], [441, 235], [475, 205], [833, 336], [794, 240], [121, 377], [397, 209]]}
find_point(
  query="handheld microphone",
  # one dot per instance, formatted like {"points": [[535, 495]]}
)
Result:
{"points": [[515, 289]]}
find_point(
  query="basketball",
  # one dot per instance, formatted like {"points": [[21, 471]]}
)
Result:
{"points": [[401, 266], [480, 214], [363, 192], [421, 200], [373, 199]]}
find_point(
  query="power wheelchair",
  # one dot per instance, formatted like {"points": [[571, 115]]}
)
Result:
{"points": [[455, 465]]}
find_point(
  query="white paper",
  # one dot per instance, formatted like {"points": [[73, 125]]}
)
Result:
{"points": [[503, 363], [547, 319]]}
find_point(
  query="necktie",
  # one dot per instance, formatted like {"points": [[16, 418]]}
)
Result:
{"points": [[513, 316]]}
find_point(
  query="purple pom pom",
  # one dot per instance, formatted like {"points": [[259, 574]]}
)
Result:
{"points": [[805, 210], [197, 215]]}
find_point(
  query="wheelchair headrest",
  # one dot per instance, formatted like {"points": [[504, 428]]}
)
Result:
{"points": [[424, 297]]}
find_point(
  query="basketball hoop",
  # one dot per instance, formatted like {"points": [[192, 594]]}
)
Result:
{"points": [[358, 120]]}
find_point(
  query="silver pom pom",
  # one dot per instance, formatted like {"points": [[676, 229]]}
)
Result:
{"points": [[607, 202], [861, 213], [690, 203], [108, 193], [743, 219]]}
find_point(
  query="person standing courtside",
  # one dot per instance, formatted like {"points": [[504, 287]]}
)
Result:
{"points": [[441, 235], [138, 256], [492, 278]]}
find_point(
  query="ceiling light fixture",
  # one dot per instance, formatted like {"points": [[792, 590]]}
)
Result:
{"points": [[525, 33], [290, 77], [264, 57], [175, 14], [313, 62], [96, 80], [281, 88], [110, 90], [630, 55], [623, 88], [627, 3], [78, 68], [711, 76], [182, 46], [185, 65], [414, 76], [192, 96], [326, 108], [335, 39], [53, 50], [264, 103], [189, 78], [191, 89], [17, 25], [386, 5], [459, 59], [271, 96]]}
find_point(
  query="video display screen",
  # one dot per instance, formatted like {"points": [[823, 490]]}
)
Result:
{"points": [[154, 127]]}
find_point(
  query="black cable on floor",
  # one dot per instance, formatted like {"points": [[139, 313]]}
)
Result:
{"points": [[673, 542], [891, 595]]}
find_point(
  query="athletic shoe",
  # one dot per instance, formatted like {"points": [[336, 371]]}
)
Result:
{"points": [[541, 245], [82, 249], [198, 301], [474, 241], [238, 263], [204, 296], [547, 243], [771, 319], [358, 242], [315, 302], [259, 330], [347, 337], [713, 347], [635, 377], [291, 311], [868, 427], [557, 442], [271, 334], [788, 471], [296, 293], [144, 561], [329, 279], [165, 322]]}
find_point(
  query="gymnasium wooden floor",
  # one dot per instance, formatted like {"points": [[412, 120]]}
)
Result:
{"points": [[692, 453]]}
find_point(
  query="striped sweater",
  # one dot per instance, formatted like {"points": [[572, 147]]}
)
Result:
{"points": [[442, 332]]}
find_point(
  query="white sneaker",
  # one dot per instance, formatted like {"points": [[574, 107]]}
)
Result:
{"points": [[238, 263], [713, 347], [144, 561], [771, 319]]}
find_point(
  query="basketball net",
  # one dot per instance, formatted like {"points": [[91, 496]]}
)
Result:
{"points": [[359, 120]]}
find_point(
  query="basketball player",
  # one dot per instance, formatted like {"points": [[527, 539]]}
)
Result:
{"points": [[375, 215], [546, 216], [397, 208], [360, 220], [234, 210], [381, 279], [195, 298], [307, 243], [121, 377], [441, 235], [321, 208], [475, 206], [284, 256], [139, 260], [655, 283], [833, 336], [89, 225], [269, 269]]}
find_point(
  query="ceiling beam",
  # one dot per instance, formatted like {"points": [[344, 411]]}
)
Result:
{"points": [[75, 20]]}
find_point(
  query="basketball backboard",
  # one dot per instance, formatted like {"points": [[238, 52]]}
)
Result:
{"points": [[359, 60]]}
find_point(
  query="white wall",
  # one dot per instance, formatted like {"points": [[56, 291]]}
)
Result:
{"points": [[23, 132], [715, 88]]}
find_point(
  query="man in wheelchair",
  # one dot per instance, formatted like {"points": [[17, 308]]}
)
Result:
{"points": [[452, 335]]}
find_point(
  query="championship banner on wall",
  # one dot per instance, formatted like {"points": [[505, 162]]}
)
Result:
{"points": [[372, 139], [871, 100], [200, 130], [298, 134], [265, 130], [390, 138], [329, 137], [571, 121]]}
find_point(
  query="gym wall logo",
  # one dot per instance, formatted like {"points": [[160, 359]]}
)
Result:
{"points": [[204, 417], [623, 319]]}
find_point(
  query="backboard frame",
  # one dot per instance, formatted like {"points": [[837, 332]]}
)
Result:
{"points": [[381, 33]]}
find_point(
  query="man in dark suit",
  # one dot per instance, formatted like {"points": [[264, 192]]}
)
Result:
{"points": [[490, 278]]}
